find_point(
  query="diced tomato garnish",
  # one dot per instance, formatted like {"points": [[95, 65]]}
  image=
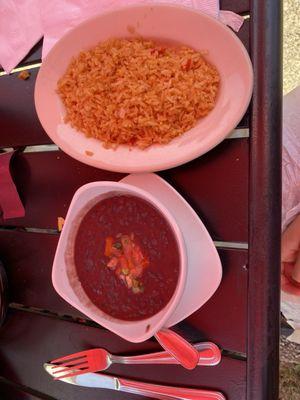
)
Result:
{"points": [[187, 65], [108, 246], [145, 263], [123, 262], [130, 264], [127, 260], [158, 50], [116, 252], [136, 272], [113, 263], [129, 282], [137, 255], [127, 246]]}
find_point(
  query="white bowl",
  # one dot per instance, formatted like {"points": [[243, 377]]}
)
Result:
{"points": [[64, 276]]}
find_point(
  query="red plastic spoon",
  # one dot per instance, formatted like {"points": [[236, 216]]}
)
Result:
{"points": [[178, 347]]}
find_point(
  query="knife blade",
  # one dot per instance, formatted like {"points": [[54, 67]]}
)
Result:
{"points": [[161, 392], [88, 380]]}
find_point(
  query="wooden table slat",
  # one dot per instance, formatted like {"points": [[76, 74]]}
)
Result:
{"points": [[38, 339], [11, 392], [19, 124], [28, 258], [215, 185], [238, 6], [223, 319]]}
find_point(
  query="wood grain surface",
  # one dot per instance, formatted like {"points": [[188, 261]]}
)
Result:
{"points": [[28, 340]]}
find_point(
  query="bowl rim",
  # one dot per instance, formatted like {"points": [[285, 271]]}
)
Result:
{"points": [[148, 197], [211, 141]]}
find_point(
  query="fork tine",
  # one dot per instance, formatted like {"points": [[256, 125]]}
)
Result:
{"points": [[69, 363], [82, 367], [69, 357], [72, 365], [74, 373]]}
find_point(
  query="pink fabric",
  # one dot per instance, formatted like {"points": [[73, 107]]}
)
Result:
{"points": [[10, 203], [290, 304], [291, 157], [231, 19], [24, 22], [20, 30], [65, 14]]}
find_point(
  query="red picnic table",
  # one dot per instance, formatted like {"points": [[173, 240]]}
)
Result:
{"points": [[235, 189]]}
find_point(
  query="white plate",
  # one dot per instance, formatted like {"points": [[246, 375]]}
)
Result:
{"points": [[204, 270], [160, 22]]}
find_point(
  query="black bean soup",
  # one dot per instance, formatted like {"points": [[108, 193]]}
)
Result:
{"points": [[127, 258]]}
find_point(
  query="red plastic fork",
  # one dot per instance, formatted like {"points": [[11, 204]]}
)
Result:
{"points": [[99, 360]]}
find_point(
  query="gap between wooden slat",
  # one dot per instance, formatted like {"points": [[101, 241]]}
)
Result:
{"points": [[49, 231], [239, 133], [19, 69], [231, 245], [51, 314], [52, 231], [234, 354], [88, 322], [41, 148]]}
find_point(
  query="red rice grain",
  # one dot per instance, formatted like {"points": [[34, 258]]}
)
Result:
{"points": [[136, 92]]}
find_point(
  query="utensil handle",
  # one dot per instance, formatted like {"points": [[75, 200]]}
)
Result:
{"points": [[167, 392], [209, 355], [178, 347]]}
